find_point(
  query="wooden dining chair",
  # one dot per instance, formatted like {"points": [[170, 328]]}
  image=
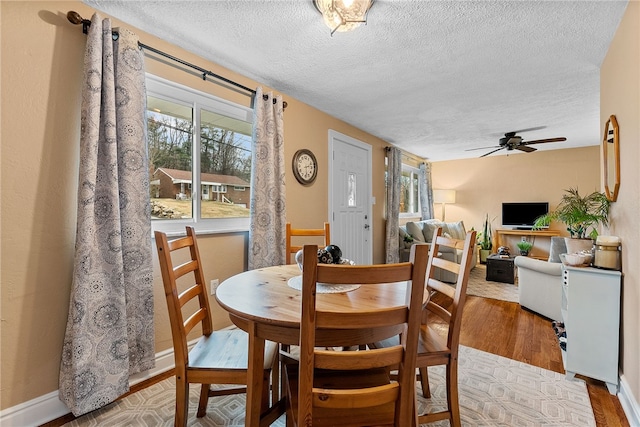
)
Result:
{"points": [[295, 233], [354, 388], [446, 303], [219, 357], [443, 311]]}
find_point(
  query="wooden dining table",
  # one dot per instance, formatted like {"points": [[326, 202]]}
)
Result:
{"points": [[263, 304]]}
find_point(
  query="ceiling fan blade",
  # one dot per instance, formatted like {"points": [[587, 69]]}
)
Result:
{"points": [[542, 141], [499, 134], [529, 129], [491, 152], [482, 148], [525, 148]]}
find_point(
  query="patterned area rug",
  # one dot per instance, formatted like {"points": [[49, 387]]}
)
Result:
{"points": [[494, 391], [481, 287]]}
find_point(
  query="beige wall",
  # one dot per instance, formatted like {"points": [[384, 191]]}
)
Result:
{"points": [[41, 72], [620, 95], [482, 184]]}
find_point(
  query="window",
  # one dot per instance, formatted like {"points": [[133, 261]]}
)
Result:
{"points": [[197, 142], [409, 200]]}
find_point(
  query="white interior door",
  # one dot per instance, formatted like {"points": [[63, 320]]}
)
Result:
{"points": [[350, 197]]}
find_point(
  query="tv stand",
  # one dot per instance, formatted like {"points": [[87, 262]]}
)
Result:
{"points": [[502, 232]]}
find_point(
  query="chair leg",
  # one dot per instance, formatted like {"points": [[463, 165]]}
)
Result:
{"points": [[204, 400], [424, 382], [452, 393], [266, 392], [275, 380], [182, 402]]}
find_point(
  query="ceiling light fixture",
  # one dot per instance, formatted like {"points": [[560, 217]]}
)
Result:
{"points": [[343, 15]]}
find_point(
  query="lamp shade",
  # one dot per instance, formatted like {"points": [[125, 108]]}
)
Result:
{"points": [[444, 196]]}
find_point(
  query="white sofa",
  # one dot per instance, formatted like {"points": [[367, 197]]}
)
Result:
{"points": [[540, 282], [422, 233]]}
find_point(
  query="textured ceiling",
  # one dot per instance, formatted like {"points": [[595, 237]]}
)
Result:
{"points": [[435, 78]]}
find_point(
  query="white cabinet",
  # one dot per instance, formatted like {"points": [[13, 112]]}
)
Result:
{"points": [[591, 316]]}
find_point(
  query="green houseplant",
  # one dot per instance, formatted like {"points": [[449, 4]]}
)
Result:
{"points": [[484, 240], [524, 246], [581, 215]]}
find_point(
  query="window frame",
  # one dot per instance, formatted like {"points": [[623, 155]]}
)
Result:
{"points": [[171, 91], [416, 171]]}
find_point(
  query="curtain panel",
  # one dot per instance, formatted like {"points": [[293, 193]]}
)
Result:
{"points": [[110, 328], [268, 207], [425, 191], [394, 176]]}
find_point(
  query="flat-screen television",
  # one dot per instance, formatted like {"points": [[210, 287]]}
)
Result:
{"points": [[522, 215]]}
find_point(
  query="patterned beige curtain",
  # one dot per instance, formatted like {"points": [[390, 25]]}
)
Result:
{"points": [[394, 175], [267, 208], [110, 333], [426, 191]]}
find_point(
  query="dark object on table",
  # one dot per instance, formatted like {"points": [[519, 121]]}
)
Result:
{"points": [[324, 257], [503, 250], [335, 252]]}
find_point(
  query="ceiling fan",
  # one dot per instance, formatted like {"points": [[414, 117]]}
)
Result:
{"points": [[511, 141]]}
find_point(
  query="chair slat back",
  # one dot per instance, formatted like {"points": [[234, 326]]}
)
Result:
{"points": [[182, 315], [457, 295], [398, 396], [294, 235]]}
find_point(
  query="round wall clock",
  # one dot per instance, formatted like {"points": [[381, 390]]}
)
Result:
{"points": [[305, 166]]}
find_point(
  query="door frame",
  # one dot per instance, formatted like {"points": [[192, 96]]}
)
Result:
{"points": [[333, 136]]}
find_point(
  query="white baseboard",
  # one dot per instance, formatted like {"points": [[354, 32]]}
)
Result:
{"points": [[49, 407], [630, 404]]}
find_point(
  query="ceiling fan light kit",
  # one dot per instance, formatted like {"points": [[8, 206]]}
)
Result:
{"points": [[343, 15]]}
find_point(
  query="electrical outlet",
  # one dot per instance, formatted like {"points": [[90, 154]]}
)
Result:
{"points": [[214, 286]]}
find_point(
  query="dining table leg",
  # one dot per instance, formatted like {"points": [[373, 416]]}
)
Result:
{"points": [[255, 377]]}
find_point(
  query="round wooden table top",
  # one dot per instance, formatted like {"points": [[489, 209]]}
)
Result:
{"points": [[263, 296]]}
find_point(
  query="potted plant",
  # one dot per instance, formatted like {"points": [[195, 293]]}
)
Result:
{"points": [[524, 246], [581, 215], [484, 240], [408, 240]]}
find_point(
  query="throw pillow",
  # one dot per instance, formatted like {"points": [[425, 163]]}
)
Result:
{"points": [[558, 246], [415, 231], [456, 230], [429, 228]]}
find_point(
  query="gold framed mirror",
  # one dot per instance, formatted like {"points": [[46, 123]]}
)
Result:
{"points": [[611, 158]]}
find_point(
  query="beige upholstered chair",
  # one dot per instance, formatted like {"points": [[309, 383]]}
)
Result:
{"points": [[540, 282]]}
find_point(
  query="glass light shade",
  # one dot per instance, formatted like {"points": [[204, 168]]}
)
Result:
{"points": [[343, 15]]}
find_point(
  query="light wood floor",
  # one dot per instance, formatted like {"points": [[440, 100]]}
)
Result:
{"points": [[505, 329]]}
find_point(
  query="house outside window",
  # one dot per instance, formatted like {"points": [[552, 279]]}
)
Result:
{"points": [[201, 142]]}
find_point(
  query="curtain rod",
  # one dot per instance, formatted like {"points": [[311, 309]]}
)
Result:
{"points": [[407, 155], [75, 18]]}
